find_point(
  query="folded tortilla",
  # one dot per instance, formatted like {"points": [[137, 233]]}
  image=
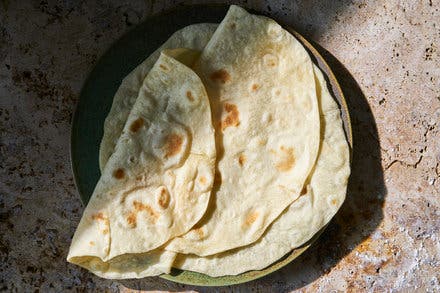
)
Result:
{"points": [[326, 191], [192, 37], [157, 183], [261, 87]]}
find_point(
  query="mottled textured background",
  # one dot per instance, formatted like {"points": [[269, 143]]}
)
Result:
{"points": [[386, 56]]}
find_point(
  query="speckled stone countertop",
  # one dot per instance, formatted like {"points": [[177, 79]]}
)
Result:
{"points": [[386, 56]]}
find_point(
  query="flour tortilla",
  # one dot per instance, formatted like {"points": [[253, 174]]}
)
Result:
{"points": [[307, 215], [157, 183], [129, 266], [260, 82], [192, 37]]}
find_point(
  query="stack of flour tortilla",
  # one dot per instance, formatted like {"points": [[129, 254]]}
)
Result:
{"points": [[222, 152]]}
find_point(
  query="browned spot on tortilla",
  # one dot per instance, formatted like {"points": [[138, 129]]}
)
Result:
{"points": [[140, 207], [304, 190], [136, 124], [202, 179], [255, 87], [92, 243], [232, 25], [221, 76], [241, 159], [163, 67], [119, 173], [173, 145], [164, 198], [99, 216], [334, 202], [251, 218], [132, 219], [199, 232], [232, 119], [189, 96], [287, 159], [270, 60]]}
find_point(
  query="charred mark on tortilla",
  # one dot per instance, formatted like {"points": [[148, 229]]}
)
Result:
{"points": [[190, 96], [119, 173], [221, 76], [164, 198], [136, 124], [173, 145], [232, 119]]}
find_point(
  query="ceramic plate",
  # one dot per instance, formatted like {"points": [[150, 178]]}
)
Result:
{"points": [[97, 95]]}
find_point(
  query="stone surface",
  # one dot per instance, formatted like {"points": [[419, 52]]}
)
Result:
{"points": [[386, 56]]}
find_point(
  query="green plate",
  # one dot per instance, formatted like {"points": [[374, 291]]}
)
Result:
{"points": [[97, 95]]}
